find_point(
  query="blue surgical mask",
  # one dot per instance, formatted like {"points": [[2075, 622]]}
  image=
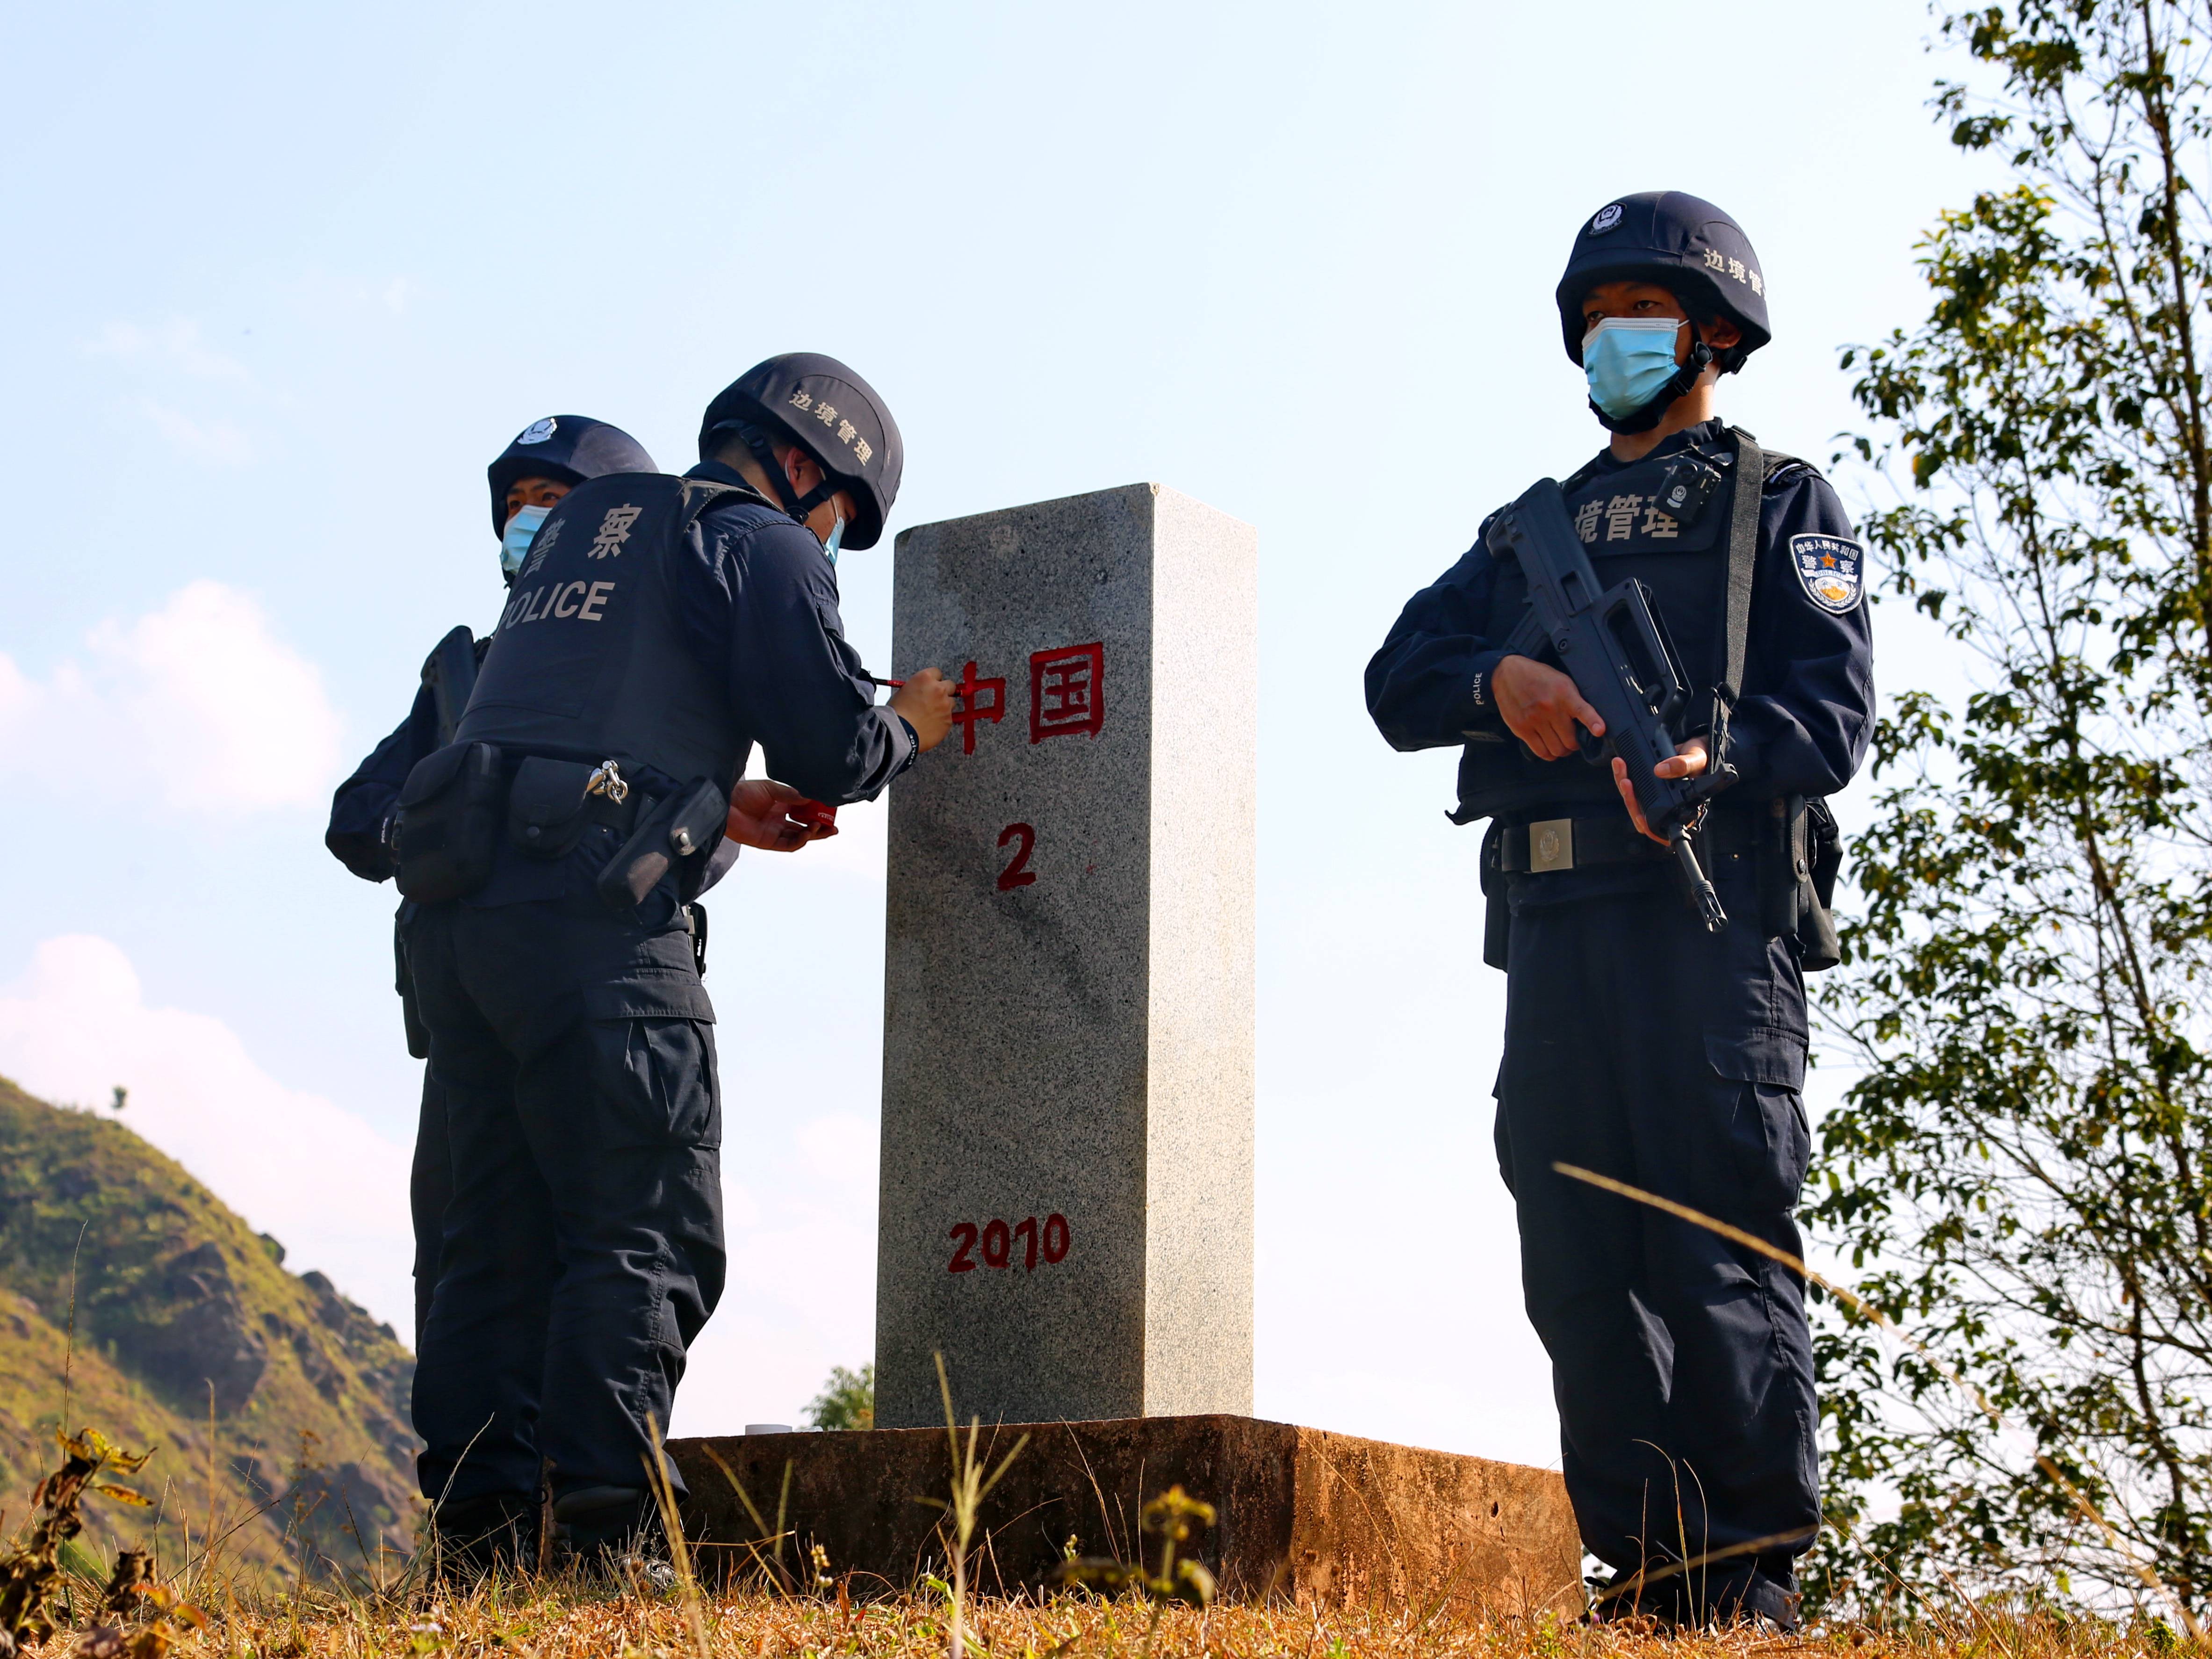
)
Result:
{"points": [[1628, 359], [515, 545], [835, 540]]}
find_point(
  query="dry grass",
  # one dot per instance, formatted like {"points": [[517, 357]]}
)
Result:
{"points": [[566, 1618]]}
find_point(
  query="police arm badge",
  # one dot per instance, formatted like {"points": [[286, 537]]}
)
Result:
{"points": [[1833, 569]]}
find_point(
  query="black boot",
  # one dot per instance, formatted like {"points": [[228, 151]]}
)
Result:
{"points": [[473, 1537], [614, 1530]]}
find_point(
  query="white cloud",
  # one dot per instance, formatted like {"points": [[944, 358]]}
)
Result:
{"points": [[800, 1296], [76, 1024], [200, 696], [216, 441], [801, 1266], [18, 696], [840, 1150], [165, 351], [176, 342]]}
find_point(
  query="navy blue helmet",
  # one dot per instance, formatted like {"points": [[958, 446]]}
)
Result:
{"points": [[1687, 246], [828, 411], [566, 448]]}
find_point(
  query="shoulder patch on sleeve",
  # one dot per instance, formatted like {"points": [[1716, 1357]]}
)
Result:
{"points": [[1832, 568]]}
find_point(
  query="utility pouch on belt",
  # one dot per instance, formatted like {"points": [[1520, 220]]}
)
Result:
{"points": [[1796, 857], [448, 822], [1497, 913], [546, 806], [681, 826], [410, 1017]]}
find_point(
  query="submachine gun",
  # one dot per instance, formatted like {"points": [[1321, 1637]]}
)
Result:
{"points": [[1613, 645]]}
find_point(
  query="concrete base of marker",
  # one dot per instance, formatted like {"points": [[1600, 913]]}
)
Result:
{"points": [[1303, 1514]]}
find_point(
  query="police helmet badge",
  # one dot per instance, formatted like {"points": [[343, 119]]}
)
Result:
{"points": [[1608, 217], [538, 431], [1833, 569]]}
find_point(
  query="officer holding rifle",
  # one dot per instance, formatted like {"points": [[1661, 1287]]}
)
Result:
{"points": [[1655, 926]]}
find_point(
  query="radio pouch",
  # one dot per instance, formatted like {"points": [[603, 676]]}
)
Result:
{"points": [[448, 822], [1816, 930], [1795, 860], [1496, 908], [546, 804]]}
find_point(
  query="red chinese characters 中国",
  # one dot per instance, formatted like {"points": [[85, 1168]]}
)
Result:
{"points": [[1067, 690]]}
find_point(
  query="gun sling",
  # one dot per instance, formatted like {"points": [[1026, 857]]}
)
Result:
{"points": [[1742, 559]]}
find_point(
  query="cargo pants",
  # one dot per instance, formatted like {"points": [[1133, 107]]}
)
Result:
{"points": [[582, 1248], [1642, 1048]]}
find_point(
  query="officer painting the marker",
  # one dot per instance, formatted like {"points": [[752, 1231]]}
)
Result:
{"points": [[1639, 1044], [661, 627], [547, 460]]}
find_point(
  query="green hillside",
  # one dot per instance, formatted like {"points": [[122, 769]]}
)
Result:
{"points": [[279, 1407]]}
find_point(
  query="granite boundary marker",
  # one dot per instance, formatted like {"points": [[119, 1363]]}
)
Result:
{"points": [[1068, 1154]]}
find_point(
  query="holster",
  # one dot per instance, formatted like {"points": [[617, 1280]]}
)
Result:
{"points": [[448, 822], [1797, 858], [685, 825], [1497, 910]]}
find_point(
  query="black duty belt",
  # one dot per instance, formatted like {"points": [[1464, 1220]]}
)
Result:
{"points": [[1547, 846]]}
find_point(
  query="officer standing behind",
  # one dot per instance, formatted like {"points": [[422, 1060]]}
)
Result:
{"points": [[1637, 1044], [660, 629], [547, 460]]}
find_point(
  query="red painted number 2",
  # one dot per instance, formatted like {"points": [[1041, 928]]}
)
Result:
{"points": [[997, 1240], [1018, 873]]}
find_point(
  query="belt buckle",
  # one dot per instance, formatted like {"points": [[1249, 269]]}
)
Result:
{"points": [[1551, 845]]}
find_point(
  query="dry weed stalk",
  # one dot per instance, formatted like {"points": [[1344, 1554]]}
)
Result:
{"points": [[1172, 1517], [32, 1572], [969, 1488], [769, 1567], [680, 1555]]}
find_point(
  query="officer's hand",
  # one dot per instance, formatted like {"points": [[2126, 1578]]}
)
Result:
{"points": [[1541, 706], [759, 818], [925, 703], [1689, 761]]}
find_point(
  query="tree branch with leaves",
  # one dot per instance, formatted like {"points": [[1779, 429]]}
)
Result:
{"points": [[2020, 1169]]}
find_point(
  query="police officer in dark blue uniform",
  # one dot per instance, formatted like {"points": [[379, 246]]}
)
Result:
{"points": [[660, 628], [547, 460], [1637, 1043]]}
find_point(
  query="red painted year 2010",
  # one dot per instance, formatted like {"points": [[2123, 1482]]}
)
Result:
{"points": [[997, 1241]]}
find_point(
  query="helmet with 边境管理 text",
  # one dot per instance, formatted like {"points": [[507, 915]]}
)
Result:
{"points": [[1686, 245], [823, 407]]}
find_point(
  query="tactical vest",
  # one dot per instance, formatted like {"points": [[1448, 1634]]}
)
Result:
{"points": [[590, 661], [1682, 556]]}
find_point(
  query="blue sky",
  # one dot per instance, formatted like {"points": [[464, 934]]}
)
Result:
{"points": [[284, 278]]}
